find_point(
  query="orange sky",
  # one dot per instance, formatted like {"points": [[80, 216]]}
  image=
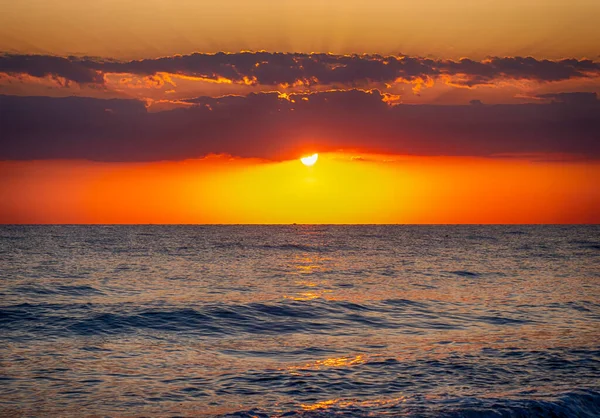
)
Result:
{"points": [[340, 188], [434, 78], [442, 28]]}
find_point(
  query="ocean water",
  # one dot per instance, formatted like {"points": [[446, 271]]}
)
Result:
{"points": [[307, 321]]}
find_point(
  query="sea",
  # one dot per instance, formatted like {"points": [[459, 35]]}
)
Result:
{"points": [[300, 321]]}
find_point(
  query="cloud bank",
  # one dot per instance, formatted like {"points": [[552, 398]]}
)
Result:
{"points": [[279, 126], [299, 69]]}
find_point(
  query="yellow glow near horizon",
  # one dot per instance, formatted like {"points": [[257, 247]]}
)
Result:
{"points": [[343, 188], [310, 160]]}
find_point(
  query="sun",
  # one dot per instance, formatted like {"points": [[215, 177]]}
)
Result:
{"points": [[310, 160]]}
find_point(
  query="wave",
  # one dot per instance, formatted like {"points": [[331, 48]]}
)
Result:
{"points": [[465, 273], [289, 316], [63, 290], [299, 247], [283, 247], [582, 403]]}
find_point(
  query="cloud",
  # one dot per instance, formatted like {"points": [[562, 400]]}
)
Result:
{"points": [[70, 68], [299, 69], [267, 125], [518, 68], [580, 98]]}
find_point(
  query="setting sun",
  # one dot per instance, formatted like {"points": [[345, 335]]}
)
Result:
{"points": [[310, 160]]}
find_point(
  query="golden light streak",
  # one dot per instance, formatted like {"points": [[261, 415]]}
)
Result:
{"points": [[347, 403]]}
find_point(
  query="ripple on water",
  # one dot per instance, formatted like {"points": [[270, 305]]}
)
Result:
{"points": [[321, 321]]}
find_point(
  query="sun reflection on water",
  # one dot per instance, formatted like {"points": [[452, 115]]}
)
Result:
{"points": [[348, 403], [337, 362]]}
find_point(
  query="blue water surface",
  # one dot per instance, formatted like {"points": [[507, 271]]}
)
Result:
{"points": [[307, 321]]}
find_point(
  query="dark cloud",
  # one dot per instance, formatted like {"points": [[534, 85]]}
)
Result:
{"points": [[71, 69], [274, 126], [519, 68], [274, 69], [580, 98]]}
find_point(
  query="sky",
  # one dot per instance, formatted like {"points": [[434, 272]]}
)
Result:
{"points": [[454, 111]]}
